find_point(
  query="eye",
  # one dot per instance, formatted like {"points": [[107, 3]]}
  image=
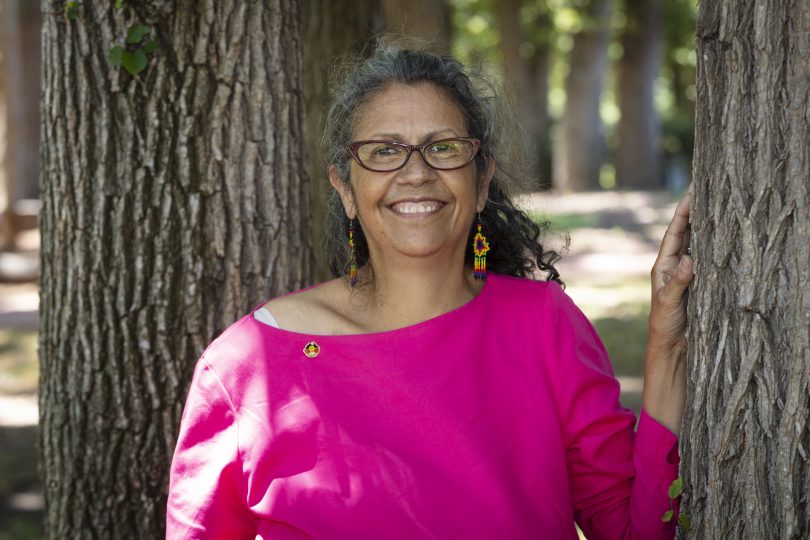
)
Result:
{"points": [[386, 150], [443, 147]]}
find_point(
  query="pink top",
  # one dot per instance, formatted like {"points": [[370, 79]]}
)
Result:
{"points": [[500, 419]]}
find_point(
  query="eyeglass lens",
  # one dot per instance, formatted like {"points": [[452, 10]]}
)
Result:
{"points": [[385, 156]]}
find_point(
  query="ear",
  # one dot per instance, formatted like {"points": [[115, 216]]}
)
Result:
{"points": [[483, 185], [343, 190]]}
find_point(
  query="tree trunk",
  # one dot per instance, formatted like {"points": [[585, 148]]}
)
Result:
{"points": [[173, 201], [526, 69], [427, 20], [746, 441], [332, 29], [580, 149], [21, 22], [638, 155]]}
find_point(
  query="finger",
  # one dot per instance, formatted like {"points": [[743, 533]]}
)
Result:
{"points": [[673, 240], [679, 279]]}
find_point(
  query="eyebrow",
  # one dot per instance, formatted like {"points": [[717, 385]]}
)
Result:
{"points": [[399, 137]]}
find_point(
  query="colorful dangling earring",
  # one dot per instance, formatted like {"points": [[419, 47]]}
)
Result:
{"points": [[352, 256], [480, 248]]}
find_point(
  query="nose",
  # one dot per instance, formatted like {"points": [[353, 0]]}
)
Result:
{"points": [[416, 170]]}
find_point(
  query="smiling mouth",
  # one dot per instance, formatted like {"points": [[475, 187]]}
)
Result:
{"points": [[421, 207]]}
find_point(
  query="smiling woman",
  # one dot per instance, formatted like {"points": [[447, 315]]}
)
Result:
{"points": [[435, 388]]}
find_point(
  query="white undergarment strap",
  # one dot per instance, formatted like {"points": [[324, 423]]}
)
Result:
{"points": [[263, 315]]}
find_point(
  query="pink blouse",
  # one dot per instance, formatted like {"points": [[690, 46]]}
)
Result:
{"points": [[497, 420]]}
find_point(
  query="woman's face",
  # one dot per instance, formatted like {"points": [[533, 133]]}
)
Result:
{"points": [[416, 211]]}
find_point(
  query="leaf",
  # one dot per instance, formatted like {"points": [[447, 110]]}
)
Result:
{"points": [[136, 33], [115, 55], [72, 10], [150, 46], [676, 488], [134, 62], [667, 516], [686, 523], [119, 4]]}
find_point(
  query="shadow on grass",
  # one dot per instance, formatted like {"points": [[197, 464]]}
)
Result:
{"points": [[625, 339], [20, 491]]}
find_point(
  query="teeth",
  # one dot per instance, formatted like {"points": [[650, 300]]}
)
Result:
{"points": [[416, 208]]}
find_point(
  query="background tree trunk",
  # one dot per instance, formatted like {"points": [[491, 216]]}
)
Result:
{"points": [[332, 29], [173, 201], [745, 439], [638, 154], [580, 148], [526, 69], [428, 20], [21, 22]]}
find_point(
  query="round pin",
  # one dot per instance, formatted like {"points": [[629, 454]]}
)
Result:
{"points": [[311, 350]]}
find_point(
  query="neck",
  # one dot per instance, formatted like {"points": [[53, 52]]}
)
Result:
{"points": [[411, 291]]}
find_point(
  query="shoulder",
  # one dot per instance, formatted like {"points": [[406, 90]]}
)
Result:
{"points": [[321, 307], [511, 291]]}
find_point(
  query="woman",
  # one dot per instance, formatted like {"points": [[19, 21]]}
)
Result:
{"points": [[433, 391]]}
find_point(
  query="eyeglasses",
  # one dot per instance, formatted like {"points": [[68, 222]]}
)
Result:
{"points": [[387, 156]]}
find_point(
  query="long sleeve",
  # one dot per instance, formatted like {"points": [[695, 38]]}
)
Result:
{"points": [[204, 490], [618, 479]]}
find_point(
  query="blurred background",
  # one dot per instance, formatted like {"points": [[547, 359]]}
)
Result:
{"points": [[603, 92]]}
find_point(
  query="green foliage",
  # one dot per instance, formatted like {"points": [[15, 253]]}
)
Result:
{"points": [[134, 62], [72, 10], [676, 490], [119, 4], [115, 55], [133, 55], [136, 33], [551, 25]]}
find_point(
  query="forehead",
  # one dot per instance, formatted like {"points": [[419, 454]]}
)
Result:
{"points": [[409, 110]]}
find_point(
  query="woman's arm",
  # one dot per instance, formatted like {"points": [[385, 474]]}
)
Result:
{"points": [[665, 360], [205, 495]]}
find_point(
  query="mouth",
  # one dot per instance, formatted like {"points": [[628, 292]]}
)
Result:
{"points": [[416, 208]]}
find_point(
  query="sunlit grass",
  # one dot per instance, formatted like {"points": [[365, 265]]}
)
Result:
{"points": [[19, 369]]}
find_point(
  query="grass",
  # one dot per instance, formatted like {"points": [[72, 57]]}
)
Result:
{"points": [[566, 222], [19, 369], [18, 474]]}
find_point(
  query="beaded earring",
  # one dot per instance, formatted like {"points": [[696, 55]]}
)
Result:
{"points": [[352, 256], [480, 248]]}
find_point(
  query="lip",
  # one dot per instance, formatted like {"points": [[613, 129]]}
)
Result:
{"points": [[426, 202]]}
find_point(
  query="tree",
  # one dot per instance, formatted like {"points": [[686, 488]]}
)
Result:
{"points": [[19, 84], [332, 29], [638, 154], [526, 58], [429, 20], [745, 439], [175, 198], [579, 150]]}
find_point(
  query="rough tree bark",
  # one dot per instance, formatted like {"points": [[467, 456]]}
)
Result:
{"points": [[638, 154], [332, 29], [745, 439], [580, 148], [173, 201]]}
